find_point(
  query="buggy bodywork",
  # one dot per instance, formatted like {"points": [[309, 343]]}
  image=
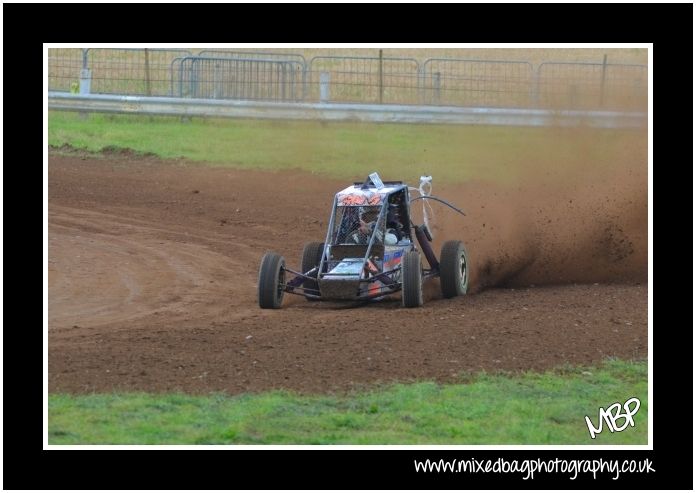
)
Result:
{"points": [[370, 251]]}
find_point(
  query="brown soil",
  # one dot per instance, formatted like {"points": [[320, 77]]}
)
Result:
{"points": [[153, 266]]}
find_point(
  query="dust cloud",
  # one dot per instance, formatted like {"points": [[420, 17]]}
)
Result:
{"points": [[558, 223]]}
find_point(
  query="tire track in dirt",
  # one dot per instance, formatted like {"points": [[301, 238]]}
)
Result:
{"points": [[144, 274]]}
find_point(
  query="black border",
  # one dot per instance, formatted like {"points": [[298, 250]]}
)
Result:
{"points": [[669, 27]]}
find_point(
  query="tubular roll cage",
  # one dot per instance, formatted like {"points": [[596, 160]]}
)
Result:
{"points": [[390, 285]]}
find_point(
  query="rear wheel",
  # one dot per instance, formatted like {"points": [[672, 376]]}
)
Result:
{"points": [[271, 281], [411, 280], [454, 269], [311, 256]]}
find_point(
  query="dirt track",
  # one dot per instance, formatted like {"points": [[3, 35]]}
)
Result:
{"points": [[152, 278]]}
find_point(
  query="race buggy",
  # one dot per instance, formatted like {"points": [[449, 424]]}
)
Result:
{"points": [[371, 251]]}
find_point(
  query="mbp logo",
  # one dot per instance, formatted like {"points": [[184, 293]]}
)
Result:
{"points": [[612, 414]]}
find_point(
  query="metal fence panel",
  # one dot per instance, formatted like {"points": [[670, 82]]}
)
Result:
{"points": [[366, 79], [266, 55], [592, 86], [252, 75], [239, 78], [488, 83], [64, 65], [132, 71]]}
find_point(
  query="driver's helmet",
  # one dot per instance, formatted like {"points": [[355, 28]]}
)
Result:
{"points": [[368, 221], [368, 215]]}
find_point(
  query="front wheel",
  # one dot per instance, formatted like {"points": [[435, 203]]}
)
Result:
{"points": [[454, 269], [271, 280], [411, 280], [311, 256]]}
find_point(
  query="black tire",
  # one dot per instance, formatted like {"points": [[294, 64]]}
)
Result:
{"points": [[311, 256], [454, 269], [271, 280], [411, 280]]}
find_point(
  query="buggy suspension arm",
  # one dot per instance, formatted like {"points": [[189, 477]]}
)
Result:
{"points": [[299, 277]]}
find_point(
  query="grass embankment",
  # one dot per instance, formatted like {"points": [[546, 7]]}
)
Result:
{"points": [[451, 153], [546, 408]]}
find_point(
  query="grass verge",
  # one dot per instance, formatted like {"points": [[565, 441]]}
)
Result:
{"points": [[532, 408], [451, 153]]}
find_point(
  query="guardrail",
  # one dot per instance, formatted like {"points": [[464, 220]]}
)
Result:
{"points": [[379, 113]]}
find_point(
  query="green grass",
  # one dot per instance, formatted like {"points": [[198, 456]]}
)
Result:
{"points": [[451, 153], [546, 408]]}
